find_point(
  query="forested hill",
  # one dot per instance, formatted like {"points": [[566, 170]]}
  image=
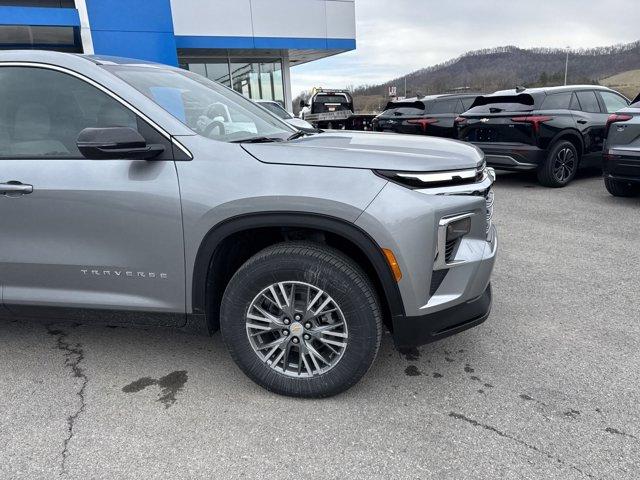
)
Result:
{"points": [[505, 67]]}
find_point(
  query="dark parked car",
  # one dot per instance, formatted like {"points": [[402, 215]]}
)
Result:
{"points": [[622, 152], [550, 130], [433, 115]]}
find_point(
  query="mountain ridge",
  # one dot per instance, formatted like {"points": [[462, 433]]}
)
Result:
{"points": [[503, 67]]}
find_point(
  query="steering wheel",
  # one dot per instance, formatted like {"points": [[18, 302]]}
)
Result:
{"points": [[213, 125]]}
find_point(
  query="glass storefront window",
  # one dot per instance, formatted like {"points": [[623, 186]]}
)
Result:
{"points": [[38, 3], [216, 70], [219, 72], [258, 79], [66, 39]]}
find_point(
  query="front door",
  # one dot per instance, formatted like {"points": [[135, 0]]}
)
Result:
{"points": [[591, 122], [83, 239]]}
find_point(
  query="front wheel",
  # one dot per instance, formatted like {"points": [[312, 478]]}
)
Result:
{"points": [[560, 166], [619, 188], [302, 320]]}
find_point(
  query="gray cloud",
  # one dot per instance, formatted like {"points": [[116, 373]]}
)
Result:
{"points": [[399, 36]]}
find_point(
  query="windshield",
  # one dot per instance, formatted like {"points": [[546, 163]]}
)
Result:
{"points": [[276, 109], [206, 107]]}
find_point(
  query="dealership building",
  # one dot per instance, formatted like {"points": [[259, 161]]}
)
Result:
{"points": [[248, 45]]}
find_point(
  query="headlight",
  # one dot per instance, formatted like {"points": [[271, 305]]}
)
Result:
{"points": [[417, 180], [458, 229]]}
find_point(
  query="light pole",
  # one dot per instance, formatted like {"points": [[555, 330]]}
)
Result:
{"points": [[566, 66]]}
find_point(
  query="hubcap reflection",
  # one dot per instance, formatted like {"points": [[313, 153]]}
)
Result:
{"points": [[309, 345]]}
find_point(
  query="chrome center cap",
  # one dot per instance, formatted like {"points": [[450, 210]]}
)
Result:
{"points": [[296, 329]]}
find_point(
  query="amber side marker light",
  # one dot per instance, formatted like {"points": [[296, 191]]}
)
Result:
{"points": [[393, 263]]}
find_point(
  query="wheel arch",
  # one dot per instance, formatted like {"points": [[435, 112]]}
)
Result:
{"points": [[216, 261], [570, 135]]}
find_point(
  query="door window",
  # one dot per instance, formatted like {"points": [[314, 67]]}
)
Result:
{"points": [[467, 102], [588, 102], [613, 102], [557, 101], [443, 106], [574, 105], [42, 112]]}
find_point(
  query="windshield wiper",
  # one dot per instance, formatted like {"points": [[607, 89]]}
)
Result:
{"points": [[298, 134], [257, 140]]}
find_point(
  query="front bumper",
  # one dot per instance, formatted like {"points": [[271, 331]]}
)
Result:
{"points": [[512, 156], [435, 295], [415, 331], [461, 301]]}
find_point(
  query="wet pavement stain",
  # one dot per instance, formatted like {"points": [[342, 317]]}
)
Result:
{"points": [[412, 371], [169, 385], [411, 354], [139, 385]]}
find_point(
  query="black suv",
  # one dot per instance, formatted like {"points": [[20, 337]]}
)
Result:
{"points": [[551, 130], [622, 152], [432, 115]]}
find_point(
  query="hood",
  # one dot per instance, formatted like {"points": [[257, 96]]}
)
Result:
{"points": [[374, 151]]}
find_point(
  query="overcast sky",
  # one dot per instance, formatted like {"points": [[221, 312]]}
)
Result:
{"points": [[395, 37]]}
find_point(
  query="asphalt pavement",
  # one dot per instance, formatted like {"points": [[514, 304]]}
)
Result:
{"points": [[548, 387]]}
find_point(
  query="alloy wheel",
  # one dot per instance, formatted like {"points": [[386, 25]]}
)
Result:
{"points": [[564, 164], [297, 329]]}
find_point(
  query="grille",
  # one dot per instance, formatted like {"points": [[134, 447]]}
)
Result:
{"points": [[437, 277], [450, 249], [489, 199]]}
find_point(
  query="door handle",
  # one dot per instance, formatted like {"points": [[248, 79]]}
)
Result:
{"points": [[582, 122], [11, 189]]}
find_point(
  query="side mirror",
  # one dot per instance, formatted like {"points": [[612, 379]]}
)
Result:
{"points": [[303, 104], [113, 143]]}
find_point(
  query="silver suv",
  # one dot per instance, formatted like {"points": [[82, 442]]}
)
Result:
{"points": [[140, 194]]}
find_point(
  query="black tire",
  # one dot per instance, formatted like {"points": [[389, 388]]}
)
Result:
{"points": [[560, 166], [619, 188], [328, 270]]}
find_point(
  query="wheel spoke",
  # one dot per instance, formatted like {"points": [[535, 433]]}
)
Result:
{"points": [[332, 342], [275, 343], [314, 361], [315, 354], [275, 296], [326, 329], [280, 355], [306, 364], [284, 293], [268, 355], [251, 316], [266, 314], [334, 334], [324, 304], [258, 327], [315, 299]]}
